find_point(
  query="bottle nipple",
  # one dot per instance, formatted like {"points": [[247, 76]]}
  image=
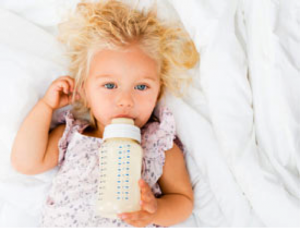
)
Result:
{"points": [[122, 121]]}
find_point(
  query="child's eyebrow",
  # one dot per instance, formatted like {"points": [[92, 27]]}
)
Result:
{"points": [[103, 76], [149, 78]]}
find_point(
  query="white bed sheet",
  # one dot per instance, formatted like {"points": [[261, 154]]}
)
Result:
{"points": [[240, 123]]}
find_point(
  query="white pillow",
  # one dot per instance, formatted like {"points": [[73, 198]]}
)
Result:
{"points": [[30, 59]]}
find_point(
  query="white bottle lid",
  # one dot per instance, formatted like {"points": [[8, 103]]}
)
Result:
{"points": [[122, 128]]}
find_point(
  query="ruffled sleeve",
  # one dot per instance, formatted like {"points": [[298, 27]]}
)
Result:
{"points": [[157, 137], [72, 126]]}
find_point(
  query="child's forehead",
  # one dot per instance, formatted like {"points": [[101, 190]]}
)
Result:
{"points": [[130, 49], [131, 60]]}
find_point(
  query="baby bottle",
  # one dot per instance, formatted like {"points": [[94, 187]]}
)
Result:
{"points": [[120, 165]]}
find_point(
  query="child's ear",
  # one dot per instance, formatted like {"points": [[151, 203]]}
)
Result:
{"points": [[83, 95], [81, 89], [160, 94]]}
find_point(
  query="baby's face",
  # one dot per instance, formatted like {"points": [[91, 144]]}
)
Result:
{"points": [[122, 84]]}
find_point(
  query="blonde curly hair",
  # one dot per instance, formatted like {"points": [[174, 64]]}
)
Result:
{"points": [[112, 24]]}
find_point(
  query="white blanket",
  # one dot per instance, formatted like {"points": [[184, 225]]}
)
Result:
{"points": [[240, 122]]}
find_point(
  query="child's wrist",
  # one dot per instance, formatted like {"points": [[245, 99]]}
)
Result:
{"points": [[45, 105]]}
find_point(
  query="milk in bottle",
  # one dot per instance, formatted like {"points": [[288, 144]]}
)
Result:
{"points": [[120, 164]]}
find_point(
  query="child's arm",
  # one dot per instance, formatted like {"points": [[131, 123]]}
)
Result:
{"points": [[177, 202], [34, 149], [175, 205]]}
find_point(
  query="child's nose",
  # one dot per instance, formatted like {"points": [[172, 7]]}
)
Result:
{"points": [[125, 100]]}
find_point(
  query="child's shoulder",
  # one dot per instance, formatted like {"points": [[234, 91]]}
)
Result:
{"points": [[59, 128], [163, 129], [57, 132], [158, 137], [70, 120]]}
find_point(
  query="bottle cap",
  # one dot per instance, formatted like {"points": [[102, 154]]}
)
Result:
{"points": [[122, 128]]}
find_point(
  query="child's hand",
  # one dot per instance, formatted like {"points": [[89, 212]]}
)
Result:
{"points": [[59, 93], [148, 211]]}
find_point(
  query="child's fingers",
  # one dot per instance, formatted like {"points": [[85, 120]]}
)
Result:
{"points": [[136, 222], [144, 186], [138, 215], [150, 207], [63, 86], [146, 192], [148, 201], [70, 81], [66, 83]]}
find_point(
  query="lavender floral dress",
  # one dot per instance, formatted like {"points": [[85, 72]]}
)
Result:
{"points": [[72, 197]]}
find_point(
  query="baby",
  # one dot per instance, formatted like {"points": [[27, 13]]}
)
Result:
{"points": [[121, 62]]}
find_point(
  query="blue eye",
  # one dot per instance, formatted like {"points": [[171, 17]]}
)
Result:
{"points": [[141, 87], [110, 86]]}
